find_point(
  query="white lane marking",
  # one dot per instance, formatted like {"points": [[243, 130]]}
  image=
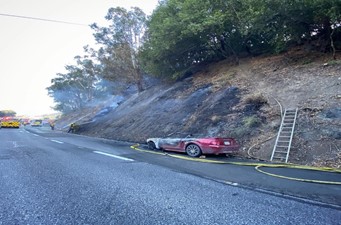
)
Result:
{"points": [[60, 142], [114, 156], [231, 183]]}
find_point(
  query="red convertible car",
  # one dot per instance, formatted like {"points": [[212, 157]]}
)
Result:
{"points": [[195, 146]]}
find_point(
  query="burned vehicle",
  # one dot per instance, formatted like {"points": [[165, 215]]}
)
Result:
{"points": [[195, 147]]}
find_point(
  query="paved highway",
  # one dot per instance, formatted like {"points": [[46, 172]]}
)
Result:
{"points": [[56, 178]]}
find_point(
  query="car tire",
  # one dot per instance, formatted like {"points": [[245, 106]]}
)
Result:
{"points": [[151, 145], [193, 150]]}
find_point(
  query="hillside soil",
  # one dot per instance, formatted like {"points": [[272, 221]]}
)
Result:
{"points": [[243, 101]]}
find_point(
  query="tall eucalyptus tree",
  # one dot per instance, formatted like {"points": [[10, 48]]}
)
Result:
{"points": [[120, 44]]}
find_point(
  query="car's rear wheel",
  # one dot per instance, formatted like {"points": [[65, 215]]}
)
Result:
{"points": [[151, 145], [193, 150]]}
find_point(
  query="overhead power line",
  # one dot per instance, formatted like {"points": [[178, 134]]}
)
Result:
{"points": [[42, 19]]}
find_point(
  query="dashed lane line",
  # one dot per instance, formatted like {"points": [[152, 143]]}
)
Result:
{"points": [[114, 156], [60, 142]]}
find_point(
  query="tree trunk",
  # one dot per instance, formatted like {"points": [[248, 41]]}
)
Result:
{"points": [[139, 80], [327, 30], [332, 44]]}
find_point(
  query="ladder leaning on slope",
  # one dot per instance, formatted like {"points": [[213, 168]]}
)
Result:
{"points": [[283, 142]]}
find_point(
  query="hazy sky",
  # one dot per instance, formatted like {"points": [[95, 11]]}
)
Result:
{"points": [[32, 52]]}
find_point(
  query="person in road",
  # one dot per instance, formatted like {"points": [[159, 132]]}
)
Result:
{"points": [[72, 128], [52, 125]]}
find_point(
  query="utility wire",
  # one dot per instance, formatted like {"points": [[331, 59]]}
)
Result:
{"points": [[41, 19]]}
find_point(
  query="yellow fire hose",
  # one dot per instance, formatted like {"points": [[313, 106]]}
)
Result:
{"points": [[256, 165]]}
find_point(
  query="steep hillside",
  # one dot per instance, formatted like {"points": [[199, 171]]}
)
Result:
{"points": [[242, 101]]}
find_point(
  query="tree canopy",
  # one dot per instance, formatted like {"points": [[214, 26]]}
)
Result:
{"points": [[185, 33], [120, 44], [116, 61], [75, 88]]}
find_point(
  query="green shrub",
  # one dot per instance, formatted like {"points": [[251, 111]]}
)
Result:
{"points": [[251, 121]]}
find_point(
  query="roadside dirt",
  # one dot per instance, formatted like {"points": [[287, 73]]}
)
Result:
{"points": [[242, 101]]}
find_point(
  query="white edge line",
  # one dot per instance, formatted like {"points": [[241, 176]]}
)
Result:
{"points": [[114, 156], [58, 141]]}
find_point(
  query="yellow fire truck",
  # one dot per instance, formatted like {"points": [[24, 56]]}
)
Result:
{"points": [[10, 122]]}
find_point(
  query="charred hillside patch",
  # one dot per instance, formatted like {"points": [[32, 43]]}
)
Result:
{"points": [[242, 101]]}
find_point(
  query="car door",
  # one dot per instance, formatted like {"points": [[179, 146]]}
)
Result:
{"points": [[173, 144]]}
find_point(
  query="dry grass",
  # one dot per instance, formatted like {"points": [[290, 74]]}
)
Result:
{"points": [[256, 99]]}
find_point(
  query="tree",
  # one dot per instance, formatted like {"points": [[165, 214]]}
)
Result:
{"points": [[75, 88], [278, 24], [120, 45], [327, 24], [89, 72], [183, 34]]}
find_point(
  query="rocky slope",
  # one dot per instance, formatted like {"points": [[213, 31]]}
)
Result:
{"points": [[242, 101]]}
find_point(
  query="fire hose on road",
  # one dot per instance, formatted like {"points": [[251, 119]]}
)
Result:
{"points": [[256, 165]]}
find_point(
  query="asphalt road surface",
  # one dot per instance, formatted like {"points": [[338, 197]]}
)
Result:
{"points": [[49, 177]]}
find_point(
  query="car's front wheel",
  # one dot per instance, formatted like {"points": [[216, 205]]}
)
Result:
{"points": [[151, 145], [193, 150]]}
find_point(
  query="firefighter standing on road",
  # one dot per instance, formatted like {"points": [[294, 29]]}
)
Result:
{"points": [[72, 128], [52, 125]]}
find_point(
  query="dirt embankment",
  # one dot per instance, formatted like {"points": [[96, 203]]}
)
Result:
{"points": [[242, 101]]}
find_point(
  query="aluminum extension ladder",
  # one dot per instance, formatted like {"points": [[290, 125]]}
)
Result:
{"points": [[283, 142]]}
